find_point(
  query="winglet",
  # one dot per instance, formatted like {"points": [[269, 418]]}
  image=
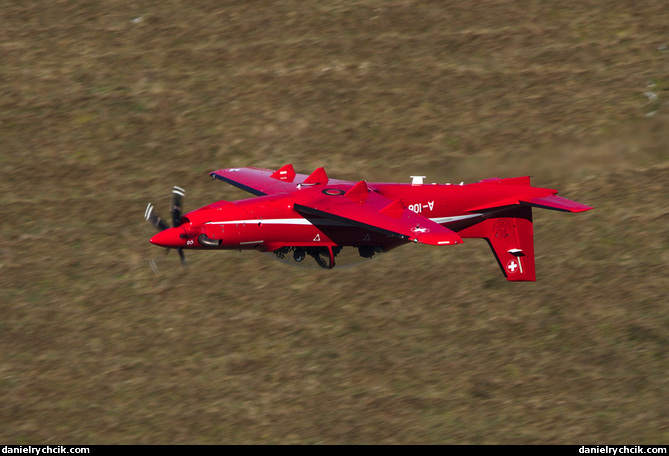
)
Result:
{"points": [[317, 177], [286, 173], [358, 193]]}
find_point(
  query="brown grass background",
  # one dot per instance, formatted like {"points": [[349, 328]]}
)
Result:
{"points": [[105, 105]]}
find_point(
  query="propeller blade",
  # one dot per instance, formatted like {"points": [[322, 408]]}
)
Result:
{"points": [[177, 197], [154, 219], [154, 266], [154, 263], [182, 257]]}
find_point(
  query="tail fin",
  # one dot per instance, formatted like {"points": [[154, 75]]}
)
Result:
{"points": [[511, 237]]}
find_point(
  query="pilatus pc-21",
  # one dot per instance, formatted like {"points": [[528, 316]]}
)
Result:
{"points": [[317, 221]]}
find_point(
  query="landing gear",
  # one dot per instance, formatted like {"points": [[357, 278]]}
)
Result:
{"points": [[299, 254], [323, 257], [369, 251]]}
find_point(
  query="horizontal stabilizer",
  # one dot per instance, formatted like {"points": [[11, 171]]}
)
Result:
{"points": [[545, 198], [556, 203]]}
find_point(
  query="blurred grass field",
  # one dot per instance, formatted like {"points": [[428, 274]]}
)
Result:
{"points": [[105, 105]]}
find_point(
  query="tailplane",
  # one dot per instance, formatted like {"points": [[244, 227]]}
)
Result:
{"points": [[511, 237]]}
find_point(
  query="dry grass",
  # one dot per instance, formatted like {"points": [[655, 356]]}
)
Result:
{"points": [[105, 105]]}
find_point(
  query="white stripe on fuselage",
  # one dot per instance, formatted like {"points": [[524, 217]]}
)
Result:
{"points": [[455, 218], [303, 221]]}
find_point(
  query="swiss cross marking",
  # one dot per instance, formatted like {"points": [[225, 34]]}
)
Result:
{"points": [[512, 266]]}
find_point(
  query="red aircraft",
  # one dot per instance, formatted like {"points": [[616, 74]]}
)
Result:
{"points": [[322, 222]]}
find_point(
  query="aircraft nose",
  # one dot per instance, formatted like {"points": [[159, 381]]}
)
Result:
{"points": [[168, 238]]}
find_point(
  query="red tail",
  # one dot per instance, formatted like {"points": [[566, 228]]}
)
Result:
{"points": [[511, 238]]}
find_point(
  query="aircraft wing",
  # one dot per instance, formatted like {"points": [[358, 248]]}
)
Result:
{"points": [[368, 210], [254, 180], [260, 182]]}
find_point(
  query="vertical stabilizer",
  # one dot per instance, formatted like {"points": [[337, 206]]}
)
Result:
{"points": [[511, 237]]}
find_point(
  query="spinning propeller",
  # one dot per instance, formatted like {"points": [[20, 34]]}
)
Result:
{"points": [[161, 225]]}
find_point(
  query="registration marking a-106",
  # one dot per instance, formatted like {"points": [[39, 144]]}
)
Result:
{"points": [[418, 207]]}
